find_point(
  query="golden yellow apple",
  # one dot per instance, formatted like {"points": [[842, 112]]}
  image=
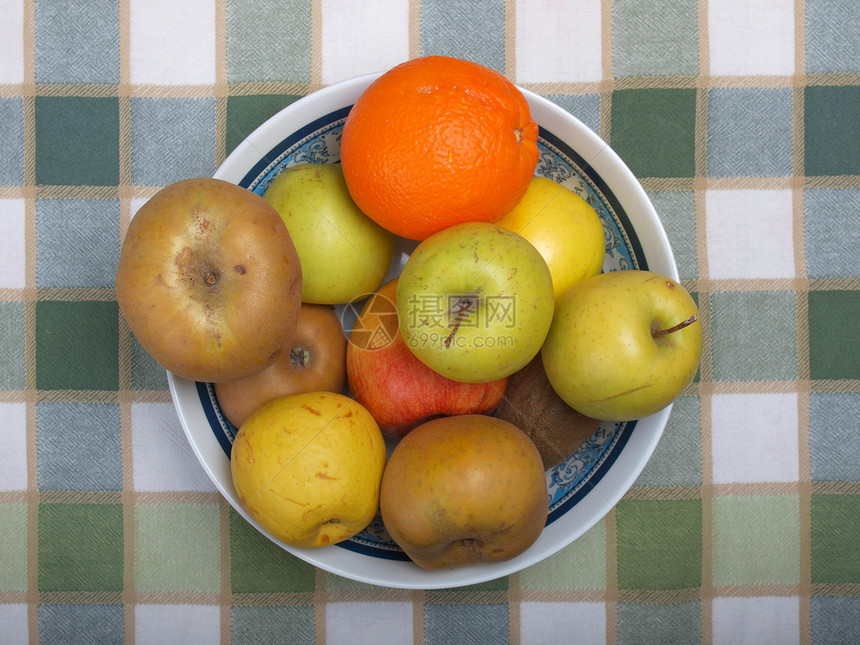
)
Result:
{"points": [[307, 467], [563, 227], [623, 345]]}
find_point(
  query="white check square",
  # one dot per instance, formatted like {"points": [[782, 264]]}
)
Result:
{"points": [[12, 244], [558, 42], [553, 622], [750, 234], [172, 43], [754, 437], [377, 622], [179, 624], [755, 620], [12, 41], [751, 38], [13, 447], [380, 44], [15, 623]]}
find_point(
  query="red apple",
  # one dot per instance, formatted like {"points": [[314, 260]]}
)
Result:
{"points": [[393, 384]]}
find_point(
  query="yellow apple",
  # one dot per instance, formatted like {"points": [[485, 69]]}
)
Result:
{"points": [[623, 344], [563, 227], [307, 467]]}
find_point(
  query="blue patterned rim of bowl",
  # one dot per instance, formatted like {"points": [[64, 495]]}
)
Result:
{"points": [[567, 482]]}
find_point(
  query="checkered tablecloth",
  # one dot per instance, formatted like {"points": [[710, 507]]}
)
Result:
{"points": [[742, 120]]}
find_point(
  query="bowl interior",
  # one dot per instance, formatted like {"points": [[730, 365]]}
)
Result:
{"points": [[584, 486]]}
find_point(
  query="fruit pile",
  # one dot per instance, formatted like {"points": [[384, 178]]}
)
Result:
{"points": [[491, 357]]}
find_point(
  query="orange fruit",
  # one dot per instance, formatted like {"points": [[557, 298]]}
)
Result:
{"points": [[438, 141]]}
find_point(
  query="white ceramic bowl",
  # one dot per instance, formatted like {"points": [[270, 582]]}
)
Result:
{"points": [[584, 487]]}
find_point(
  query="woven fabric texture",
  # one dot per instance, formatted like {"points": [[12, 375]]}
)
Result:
{"points": [[742, 122]]}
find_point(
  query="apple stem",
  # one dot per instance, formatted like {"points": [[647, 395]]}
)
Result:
{"points": [[679, 326], [210, 278], [463, 305]]}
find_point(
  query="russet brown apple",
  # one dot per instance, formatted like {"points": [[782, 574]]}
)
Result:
{"points": [[315, 360], [464, 489], [393, 384], [209, 280]]}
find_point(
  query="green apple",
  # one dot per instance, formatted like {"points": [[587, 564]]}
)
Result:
{"points": [[623, 344], [342, 251], [475, 302]]}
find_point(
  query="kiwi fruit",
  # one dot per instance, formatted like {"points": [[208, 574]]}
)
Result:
{"points": [[533, 406]]}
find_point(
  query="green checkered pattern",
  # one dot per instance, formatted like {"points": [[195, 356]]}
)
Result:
{"points": [[742, 121]]}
